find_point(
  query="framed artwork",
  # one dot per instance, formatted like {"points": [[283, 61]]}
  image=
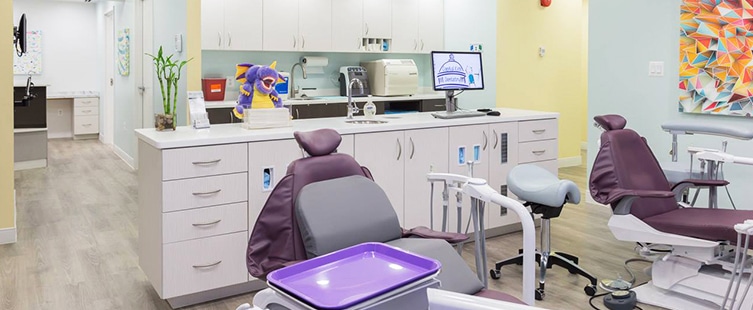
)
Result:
{"points": [[124, 52], [31, 62]]}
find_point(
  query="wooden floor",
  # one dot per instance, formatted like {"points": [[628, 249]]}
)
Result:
{"points": [[77, 241]]}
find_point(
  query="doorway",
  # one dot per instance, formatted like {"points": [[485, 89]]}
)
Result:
{"points": [[109, 97]]}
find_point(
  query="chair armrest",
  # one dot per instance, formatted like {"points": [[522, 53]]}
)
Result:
{"points": [[700, 183], [424, 232], [619, 194]]}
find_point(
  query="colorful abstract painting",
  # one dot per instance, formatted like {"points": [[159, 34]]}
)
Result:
{"points": [[31, 62], [716, 43], [124, 52]]}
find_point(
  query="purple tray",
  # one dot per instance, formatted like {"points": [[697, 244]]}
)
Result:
{"points": [[352, 275]]}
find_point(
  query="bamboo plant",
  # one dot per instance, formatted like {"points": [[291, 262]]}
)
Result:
{"points": [[168, 73]]}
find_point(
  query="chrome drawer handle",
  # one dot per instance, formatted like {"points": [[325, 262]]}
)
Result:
{"points": [[207, 224], [207, 193], [86, 111], [211, 162], [86, 125], [539, 131], [207, 266], [538, 152]]}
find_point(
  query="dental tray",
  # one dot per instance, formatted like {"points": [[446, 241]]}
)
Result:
{"points": [[352, 275]]}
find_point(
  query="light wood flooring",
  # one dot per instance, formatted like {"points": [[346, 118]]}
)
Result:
{"points": [[77, 241]]}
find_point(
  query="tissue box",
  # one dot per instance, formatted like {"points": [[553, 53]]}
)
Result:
{"points": [[266, 118]]}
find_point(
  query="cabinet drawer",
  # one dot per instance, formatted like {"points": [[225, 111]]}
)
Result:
{"points": [[85, 124], [78, 111], [204, 222], [86, 102], [203, 192], [433, 105], [537, 151], [537, 130], [204, 264], [203, 161]]}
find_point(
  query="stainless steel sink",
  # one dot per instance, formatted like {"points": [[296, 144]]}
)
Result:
{"points": [[365, 121]]}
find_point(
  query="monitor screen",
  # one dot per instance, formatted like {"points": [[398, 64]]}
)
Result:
{"points": [[457, 70]]}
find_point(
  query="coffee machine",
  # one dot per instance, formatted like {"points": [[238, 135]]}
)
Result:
{"points": [[348, 73]]}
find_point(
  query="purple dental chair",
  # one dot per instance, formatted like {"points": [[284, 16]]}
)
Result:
{"points": [[328, 202], [645, 209]]}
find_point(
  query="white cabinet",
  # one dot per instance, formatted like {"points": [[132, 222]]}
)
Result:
{"points": [[298, 26], [383, 154], [467, 143], [503, 156], [430, 25], [426, 151], [418, 25], [347, 25], [85, 116], [231, 25], [377, 19], [281, 34], [267, 165], [315, 25]]}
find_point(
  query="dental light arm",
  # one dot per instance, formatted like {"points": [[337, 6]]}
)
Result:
{"points": [[692, 128]]}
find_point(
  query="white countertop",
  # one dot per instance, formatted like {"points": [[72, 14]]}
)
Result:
{"points": [[72, 94], [331, 99], [186, 136]]}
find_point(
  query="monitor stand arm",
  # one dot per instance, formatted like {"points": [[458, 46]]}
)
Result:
{"points": [[450, 101]]}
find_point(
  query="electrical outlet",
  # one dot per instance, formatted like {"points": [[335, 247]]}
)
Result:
{"points": [[230, 81], [60, 112]]}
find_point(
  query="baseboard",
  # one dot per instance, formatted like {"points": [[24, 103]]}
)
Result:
{"points": [[584, 145], [569, 161], [8, 235], [124, 156], [29, 164]]}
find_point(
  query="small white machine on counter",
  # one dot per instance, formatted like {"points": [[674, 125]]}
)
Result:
{"points": [[392, 77]]}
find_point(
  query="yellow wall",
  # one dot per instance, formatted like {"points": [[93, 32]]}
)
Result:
{"points": [[6, 119], [193, 44], [554, 82]]}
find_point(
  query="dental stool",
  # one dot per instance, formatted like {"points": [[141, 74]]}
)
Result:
{"points": [[546, 195]]}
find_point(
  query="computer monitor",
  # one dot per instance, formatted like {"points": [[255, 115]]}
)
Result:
{"points": [[457, 71]]}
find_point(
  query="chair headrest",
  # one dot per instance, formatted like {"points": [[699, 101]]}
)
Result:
{"points": [[610, 121], [319, 142]]}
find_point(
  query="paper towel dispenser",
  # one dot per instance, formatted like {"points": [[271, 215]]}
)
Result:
{"points": [[392, 77]]}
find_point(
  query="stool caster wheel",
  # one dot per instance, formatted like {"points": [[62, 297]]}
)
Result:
{"points": [[495, 274], [572, 271], [590, 290], [540, 294]]}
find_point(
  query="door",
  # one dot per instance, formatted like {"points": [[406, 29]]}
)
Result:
{"points": [[405, 18], [347, 25], [377, 19], [430, 25], [426, 151], [243, 24], [282, 33], [315, 25], [467, 143], [383, 154], [212, 27], [108, 104], [144, 70], [503, 156]]}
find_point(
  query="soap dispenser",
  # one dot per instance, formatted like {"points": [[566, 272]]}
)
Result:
{"points": [[369, 109]]}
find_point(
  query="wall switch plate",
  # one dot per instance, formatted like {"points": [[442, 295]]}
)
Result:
{"points": [[179, 43], [542, 51], [656, 68]]}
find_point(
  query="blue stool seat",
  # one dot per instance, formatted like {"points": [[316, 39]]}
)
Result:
{"points": [[534, 184]]}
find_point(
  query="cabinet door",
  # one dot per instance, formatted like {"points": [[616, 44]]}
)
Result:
{"points": [[212, 27], [282, 33], [405, 19], [383, 153], [267, 165], [377, 19], [347, 25], [503, 157], [465, 142], [315, 28], [243, 24], [430, 25], [426, 151]]}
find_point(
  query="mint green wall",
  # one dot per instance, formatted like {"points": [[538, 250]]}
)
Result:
{"points": [[624, 35], [222, 64]]}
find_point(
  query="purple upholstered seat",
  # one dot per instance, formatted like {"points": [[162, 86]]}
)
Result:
{"points": [[626, 166]]}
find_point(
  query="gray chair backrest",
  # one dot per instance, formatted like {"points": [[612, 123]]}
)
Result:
{"points": [[338, 213]]}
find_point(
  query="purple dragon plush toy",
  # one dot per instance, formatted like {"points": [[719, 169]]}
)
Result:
{"points": [[257, 87]]}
